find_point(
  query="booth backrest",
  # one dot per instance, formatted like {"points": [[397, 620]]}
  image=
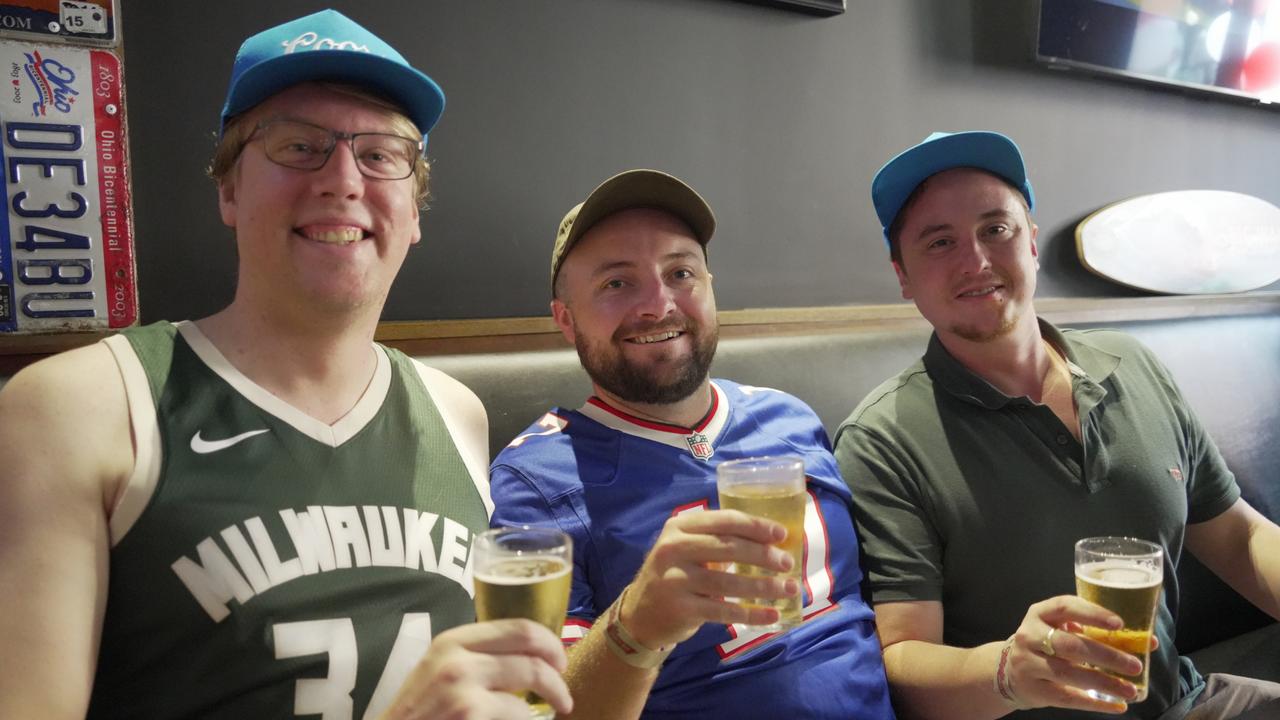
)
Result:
{"points": [[1226, 366]]}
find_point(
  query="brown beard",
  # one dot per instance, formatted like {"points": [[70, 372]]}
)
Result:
{"points": [[611, 370], [973, 334], [1008, 321]]}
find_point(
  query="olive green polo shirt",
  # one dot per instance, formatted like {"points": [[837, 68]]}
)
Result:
{"points": [[967, 496]]}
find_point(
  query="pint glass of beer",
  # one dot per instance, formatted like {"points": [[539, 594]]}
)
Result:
{"points": [[524, 572], [773, 488], [1122, 575]]}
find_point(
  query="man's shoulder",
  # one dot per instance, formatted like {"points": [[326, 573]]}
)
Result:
{"points": [[773, 412], [759, 398], [1110, 340], [555, 453], [158, 331], [549, 439], [436, 381], [67, 377], [755, 393], [1127, 354], [886, 402], [73, 410]]}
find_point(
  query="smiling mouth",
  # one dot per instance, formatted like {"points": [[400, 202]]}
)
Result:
{"points": [[333, 236], [980, 292], [655, 338]]}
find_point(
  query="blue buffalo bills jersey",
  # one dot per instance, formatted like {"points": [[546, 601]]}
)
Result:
{"points": [[612, 480]]}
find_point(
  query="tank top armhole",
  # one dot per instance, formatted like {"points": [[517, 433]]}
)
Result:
{"points": [[134, 495], [465, 419]]}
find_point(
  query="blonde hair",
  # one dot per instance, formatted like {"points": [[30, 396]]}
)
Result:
{"points": [[238, 130]]}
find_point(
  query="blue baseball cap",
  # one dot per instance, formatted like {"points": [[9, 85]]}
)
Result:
{"points": [[328, 46], [941, 151]]}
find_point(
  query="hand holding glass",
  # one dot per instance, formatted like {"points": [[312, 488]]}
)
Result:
{"points": [[1122, 575], [772, 488], [524, 573]]}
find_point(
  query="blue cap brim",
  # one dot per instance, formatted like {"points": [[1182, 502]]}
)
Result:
{"points": [[989, 151]]}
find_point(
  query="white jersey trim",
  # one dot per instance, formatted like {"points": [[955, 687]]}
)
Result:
{"points": [[332, 435], [135, 493], [465, 420], [674, 438]]}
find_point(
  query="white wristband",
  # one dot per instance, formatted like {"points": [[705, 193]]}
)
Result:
{"points": [[627, 648]]}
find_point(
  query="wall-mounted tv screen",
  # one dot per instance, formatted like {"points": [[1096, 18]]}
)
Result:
{"points": [[1228, 46]]}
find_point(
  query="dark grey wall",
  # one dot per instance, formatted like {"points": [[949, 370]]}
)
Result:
{"points": [[779, 118]]}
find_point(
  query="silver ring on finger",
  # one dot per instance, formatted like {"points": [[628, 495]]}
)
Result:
{"points": [[1046, 645]]}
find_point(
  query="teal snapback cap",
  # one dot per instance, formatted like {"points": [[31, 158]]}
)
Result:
{"points": [[981, 149], [328, 46]]}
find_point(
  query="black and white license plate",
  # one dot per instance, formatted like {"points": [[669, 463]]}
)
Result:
{"points": [[66, 249], [87, 22]]}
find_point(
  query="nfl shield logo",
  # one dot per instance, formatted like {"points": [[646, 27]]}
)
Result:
{"points": [[699, 445]]}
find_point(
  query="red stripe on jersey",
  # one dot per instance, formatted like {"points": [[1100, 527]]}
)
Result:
{"points": [[695, 505], [575, 628], [817, 542], [659, 426]]}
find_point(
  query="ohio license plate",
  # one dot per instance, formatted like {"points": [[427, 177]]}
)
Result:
{"points": [[66, 251]]}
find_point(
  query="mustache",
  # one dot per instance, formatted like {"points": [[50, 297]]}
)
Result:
{"points": [[652, 328], [989, 278]]}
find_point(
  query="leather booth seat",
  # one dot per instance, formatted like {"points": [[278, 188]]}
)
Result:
{"points": [[1228, 367]]}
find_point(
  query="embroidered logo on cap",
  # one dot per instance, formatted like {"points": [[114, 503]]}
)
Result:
{"points": [[311, 41]]}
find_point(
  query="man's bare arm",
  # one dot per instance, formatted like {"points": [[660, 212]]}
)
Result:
{"points": [[66, 444], [930, 680], [1240, 546], [674, 593]]}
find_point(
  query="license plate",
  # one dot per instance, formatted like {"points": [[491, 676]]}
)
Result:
{"points": [[93, 22], [66, 255]]}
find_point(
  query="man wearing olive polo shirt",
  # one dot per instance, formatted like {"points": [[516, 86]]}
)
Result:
{"points": [[975, 470]]}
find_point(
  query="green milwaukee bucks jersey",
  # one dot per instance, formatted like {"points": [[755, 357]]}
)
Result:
{"points": [[276, 566]]}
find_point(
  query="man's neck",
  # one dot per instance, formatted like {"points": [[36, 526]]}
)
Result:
{"points": [[685, 413], [1015, 364], [322, 370]]}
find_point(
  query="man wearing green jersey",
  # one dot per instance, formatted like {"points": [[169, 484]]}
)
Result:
{"points": [[264, 513]]}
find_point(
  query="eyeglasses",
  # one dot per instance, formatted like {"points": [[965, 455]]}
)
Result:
{"points": [[303, 146]]}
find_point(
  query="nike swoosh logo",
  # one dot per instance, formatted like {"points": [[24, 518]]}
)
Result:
{"points": [[201, 446]]}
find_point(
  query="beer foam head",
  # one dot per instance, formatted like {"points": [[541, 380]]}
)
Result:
{"points": [[523, 570], [1119, 574]]}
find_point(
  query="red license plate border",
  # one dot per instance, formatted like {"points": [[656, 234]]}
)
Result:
{"points": [[67, 261]]}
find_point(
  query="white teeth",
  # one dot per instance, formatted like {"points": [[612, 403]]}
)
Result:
{"points": [[979, 291], [646, 339], [336, 237]]}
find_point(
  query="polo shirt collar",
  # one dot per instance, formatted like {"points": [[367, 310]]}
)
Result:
{"points": [[1083, 356]]}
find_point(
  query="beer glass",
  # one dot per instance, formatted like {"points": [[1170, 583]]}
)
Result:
{"points": [[1122, 575], [773, 488], [524, 572]]}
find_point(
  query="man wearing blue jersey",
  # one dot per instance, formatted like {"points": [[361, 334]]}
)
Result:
{"points": [[631, 476], [263, 513]]}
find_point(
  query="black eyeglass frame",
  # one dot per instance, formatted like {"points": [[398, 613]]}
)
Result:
{"points": [[334, 137]]}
